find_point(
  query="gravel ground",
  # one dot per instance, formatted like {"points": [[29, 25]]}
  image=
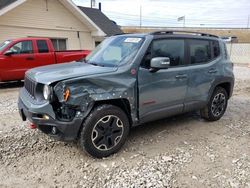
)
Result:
{"points": [[182, 151]]}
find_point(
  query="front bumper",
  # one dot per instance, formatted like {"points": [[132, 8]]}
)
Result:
{"points": [[35, 111]]}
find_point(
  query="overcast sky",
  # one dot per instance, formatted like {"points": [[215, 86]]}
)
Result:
{"points": [[199, 13]]}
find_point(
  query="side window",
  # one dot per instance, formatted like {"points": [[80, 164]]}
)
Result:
{"points": [[171, 48], [42, 46], [225, 51], [24, 47], [59, 44], [216, 49], [200, 51], [97, 43]]}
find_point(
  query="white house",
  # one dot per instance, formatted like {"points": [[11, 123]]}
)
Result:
{"points": [[70, 27]]}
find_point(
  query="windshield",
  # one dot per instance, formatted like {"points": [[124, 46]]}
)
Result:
{"points": [[115, 51], [4, 44]]}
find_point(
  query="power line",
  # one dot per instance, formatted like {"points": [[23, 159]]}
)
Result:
{"points": [[175, 22], [123, 17], [172, 19]]}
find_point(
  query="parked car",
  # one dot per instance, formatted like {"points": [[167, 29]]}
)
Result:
{"points": [[232, 39], [19, 55], [126, 81]]}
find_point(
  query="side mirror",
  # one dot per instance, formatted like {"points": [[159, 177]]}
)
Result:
{"points": [[8, 53], [157, 63]]}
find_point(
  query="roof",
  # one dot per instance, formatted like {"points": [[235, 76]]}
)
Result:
{"points": [[102, 21], [5, 3], [96, 31], [98, 22]]}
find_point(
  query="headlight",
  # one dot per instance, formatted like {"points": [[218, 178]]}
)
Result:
{"points": [[47, 92]]}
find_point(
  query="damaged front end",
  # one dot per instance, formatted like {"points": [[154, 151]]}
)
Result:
{"points": [[77, 97], [70, 102]]}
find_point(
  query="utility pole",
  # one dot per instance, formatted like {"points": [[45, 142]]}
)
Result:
{"points": [[92, 3], [248, 20], [140, 15], [184, 21]]}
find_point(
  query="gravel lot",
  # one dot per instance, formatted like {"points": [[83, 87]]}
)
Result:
{"points": [[182, 151]]}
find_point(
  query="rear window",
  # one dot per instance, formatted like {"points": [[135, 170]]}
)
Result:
{"points": [[200, 51], [42, 46], [216, 49]]}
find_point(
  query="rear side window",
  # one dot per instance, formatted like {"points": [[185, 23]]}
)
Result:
{"points": [[225, 51], [59, 44], [216, 49], [42, 46], [171, 48], [200, 51]]}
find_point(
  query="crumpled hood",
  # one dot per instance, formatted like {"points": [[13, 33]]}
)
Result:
{"points": [[57, 72]]}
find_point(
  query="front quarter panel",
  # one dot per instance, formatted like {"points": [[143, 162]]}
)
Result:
{"points": [[84, 93]]}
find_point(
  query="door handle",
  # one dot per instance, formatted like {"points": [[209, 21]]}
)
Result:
{"points": [[181, 76], [211, 71], [30, 58]]}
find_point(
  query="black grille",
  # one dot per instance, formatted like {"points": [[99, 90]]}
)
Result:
{"points": [[30, 86]]}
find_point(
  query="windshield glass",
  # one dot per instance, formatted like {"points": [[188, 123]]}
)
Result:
{"points": [[115, 51], [4, 44]]}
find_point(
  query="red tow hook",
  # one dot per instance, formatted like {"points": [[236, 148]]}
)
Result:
{"points": [[32, 126]]}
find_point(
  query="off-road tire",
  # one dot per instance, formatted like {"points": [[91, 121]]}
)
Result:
{"points": [[89, 128], [208, 113]]}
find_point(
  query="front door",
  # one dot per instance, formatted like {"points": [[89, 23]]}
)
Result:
{"points": [[162, 93], [21, 60]]}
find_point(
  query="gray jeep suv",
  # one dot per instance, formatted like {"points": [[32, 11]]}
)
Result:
{"points": [[126, 81]]}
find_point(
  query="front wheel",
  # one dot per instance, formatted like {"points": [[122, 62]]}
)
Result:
{"points": [[104, 131], [216, 106]]}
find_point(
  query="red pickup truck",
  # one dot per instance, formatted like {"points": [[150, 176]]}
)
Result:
{"points": [[19, 55]]}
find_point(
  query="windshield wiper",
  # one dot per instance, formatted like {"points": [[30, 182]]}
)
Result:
{"points": [[95, 64]]}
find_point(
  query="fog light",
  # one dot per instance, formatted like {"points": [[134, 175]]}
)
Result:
{"points": [[54, 130], [45, 117]]}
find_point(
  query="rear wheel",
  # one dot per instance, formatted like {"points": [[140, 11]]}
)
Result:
{"points": [[104, 131], [216, 106]]}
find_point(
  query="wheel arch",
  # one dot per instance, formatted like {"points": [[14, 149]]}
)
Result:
{"points": [[226, 84], [122, 103]]}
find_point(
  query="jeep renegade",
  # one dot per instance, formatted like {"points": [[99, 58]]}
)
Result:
{"points": [[128, 80]]}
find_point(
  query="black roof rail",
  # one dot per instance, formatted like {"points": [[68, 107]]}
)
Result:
{"points": [[171, 32], [120, 34]]}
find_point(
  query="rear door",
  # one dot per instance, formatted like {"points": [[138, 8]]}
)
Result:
{"points": [[204, 56], [43, 55], [162, 93], [20, 61]]}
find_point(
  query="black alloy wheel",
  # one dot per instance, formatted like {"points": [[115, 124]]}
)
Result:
{"points": [[104, 131]]}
